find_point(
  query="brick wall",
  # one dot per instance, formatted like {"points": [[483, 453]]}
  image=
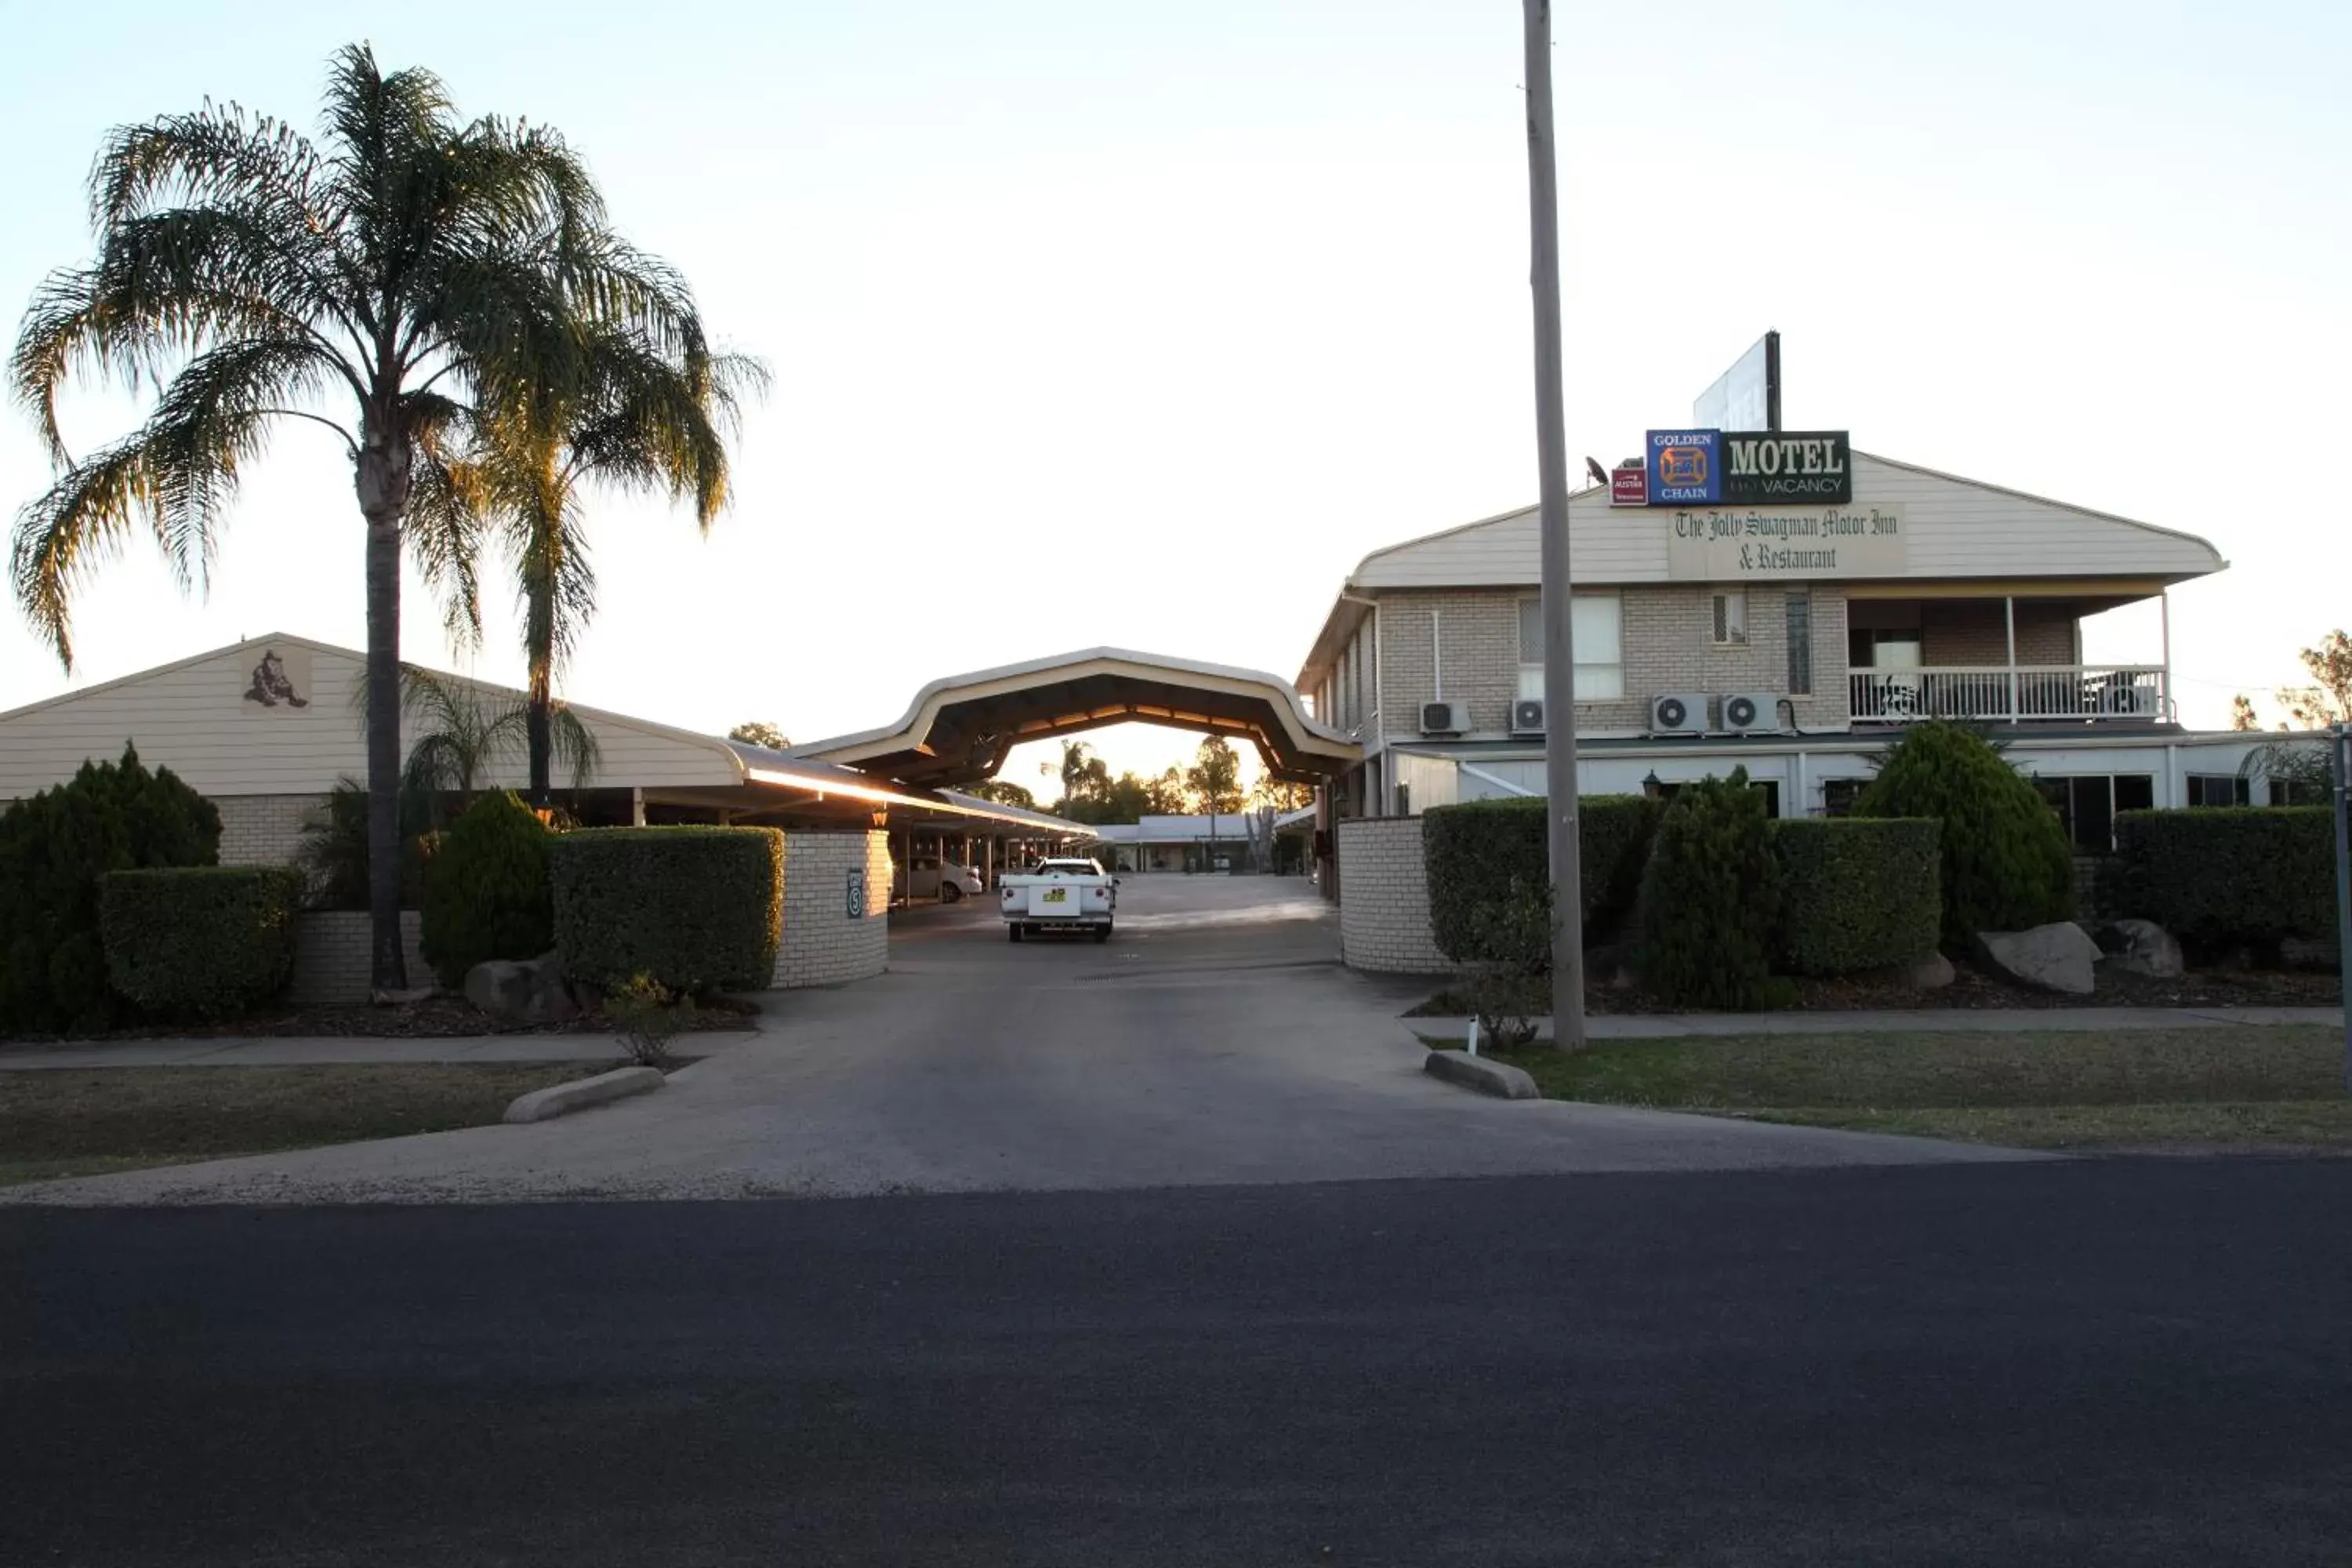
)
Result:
{"points": [[1975, 632], [1384, 907], [822, 943], [1668, 646], [332, 966], [262, 829]]}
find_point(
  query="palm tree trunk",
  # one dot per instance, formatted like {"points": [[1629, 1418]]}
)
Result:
{"points": [[539, 726], [383, 482]]}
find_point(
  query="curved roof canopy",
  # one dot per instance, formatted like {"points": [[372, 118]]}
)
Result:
{"points": [[960, 728]]}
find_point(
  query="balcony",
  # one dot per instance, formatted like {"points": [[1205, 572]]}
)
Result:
{"points": [[2038, 694]]}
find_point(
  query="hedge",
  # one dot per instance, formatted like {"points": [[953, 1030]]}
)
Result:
{"points": [[54, 848], [1475, 852], [696, 910], [1857, 893], [201, 941], [485, 889], [2226, 877]]}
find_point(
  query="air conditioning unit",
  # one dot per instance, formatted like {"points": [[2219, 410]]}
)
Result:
{"points": [[1444, 718], [1750, 712], [1678, 713], [1527, 716]]}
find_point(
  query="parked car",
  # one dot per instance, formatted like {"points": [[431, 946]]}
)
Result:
{"points": [[1059, 895], [934, 878]]}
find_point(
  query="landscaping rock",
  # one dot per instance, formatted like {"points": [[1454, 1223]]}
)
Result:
{"points": [[527, 992], [2055, 957], [1932, 972], [2141, 947]]}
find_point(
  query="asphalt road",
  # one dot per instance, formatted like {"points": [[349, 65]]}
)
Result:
{"points": [[2096, 1362]]}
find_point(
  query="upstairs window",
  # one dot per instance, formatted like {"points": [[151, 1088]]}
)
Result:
{"points": [[1596, 636], [1730, 616]]}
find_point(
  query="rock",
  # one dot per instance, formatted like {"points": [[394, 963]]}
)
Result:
{"points": [[522, 992], [2055, 957], [1932, 972], [2140, 947]]}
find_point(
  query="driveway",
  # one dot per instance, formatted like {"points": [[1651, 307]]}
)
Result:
{"points": [[1215, 1040]]}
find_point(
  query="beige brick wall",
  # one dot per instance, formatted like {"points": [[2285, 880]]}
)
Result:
{"points": [[263, 829], [332, 967], [1970, 632], [1668, 645], [822, 943], [1385, 904]]}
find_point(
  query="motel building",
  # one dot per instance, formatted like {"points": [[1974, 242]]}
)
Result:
{"points": [[1793, 639]]}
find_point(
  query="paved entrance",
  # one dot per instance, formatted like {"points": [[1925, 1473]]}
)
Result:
{"points": [[1214, 1040]]}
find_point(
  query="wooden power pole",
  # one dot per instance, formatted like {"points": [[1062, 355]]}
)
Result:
{"points": [[1551, 464]]}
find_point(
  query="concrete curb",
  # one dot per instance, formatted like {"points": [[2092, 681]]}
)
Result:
{"points": [[1481, 1073], [581, 1093]]}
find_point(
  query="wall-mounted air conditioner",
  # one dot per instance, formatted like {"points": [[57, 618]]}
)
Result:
{"points": [[1678, 713], [1444, 718], [1527, 716], [1752, 712]]}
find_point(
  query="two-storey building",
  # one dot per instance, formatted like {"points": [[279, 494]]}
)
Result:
{"points": [[1791, 639]]}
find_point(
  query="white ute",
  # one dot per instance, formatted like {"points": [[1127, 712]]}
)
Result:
{"points": [[1059, 895]]}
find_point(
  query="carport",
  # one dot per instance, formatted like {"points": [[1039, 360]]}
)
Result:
{"points": [[958, 730]]}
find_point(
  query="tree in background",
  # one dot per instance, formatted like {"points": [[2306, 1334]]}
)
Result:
{"points": [[1165, 797], [2242, 713], [1214, 777], [755, 733], [399, 282], [2328, 701], [1000, 791], [462, 736], [1281, 796]]}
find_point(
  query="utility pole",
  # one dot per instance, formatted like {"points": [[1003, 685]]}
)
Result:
{"points": [[2339, 747], [1551, 464]]}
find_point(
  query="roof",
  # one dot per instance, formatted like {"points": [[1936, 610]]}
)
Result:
{"points": [[1958, 529], [959, 729]]}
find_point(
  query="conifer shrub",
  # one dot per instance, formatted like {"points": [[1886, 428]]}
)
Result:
{"points": [[54, 849], [2006, 862], [486, 890], [1709, 900]]}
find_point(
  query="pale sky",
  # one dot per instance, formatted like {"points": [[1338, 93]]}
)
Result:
{"points": [[1140, 325]]}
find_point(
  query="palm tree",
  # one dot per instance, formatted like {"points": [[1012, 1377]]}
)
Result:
{"points": [[394, 283], [458, 739], [636, 419]]}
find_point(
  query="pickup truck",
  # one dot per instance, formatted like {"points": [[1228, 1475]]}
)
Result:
{"points": [[1058, 895]]}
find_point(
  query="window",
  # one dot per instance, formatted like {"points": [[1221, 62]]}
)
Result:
{"points": [[2219, 789], [1730, 617], [1596, 635], [2087, 805], [1801, 645]]}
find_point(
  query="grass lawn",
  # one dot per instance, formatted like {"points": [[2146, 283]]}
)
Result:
{"points": [[57, 1122], [2269, 1087]]}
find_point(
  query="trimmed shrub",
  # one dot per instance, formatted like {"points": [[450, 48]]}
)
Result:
{"points": [[693, 910], [200, 942], [1489, 854], [485, 889], [2227, 877], [1709, 899], [1857, 893], [53, 848], [2006, 862]]}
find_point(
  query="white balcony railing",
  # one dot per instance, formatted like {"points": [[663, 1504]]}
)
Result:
{"points": [[2039, 694]]}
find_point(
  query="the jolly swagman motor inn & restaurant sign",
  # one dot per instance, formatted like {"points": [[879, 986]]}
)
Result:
{"points": [[1736, 506]]}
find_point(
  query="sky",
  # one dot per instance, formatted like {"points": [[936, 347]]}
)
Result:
{"points": [[1142, 325]]}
